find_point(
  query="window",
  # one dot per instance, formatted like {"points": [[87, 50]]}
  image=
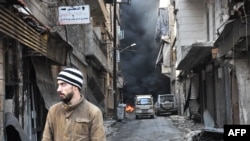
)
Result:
{"points": [[144, 101]]}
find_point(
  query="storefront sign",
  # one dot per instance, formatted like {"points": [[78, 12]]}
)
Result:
{"points": [[74, 14]]}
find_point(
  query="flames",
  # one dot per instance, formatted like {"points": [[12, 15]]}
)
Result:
{"points": [[129, 108]]}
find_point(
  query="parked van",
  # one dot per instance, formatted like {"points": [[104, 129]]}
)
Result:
{"points": [[166, 103], [144, 106]]}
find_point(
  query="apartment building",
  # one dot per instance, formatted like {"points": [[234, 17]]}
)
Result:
{"points": [[207, 60], [36, 43]]}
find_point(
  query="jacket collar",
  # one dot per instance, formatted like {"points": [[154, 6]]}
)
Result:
{"points": [[72, 107]]}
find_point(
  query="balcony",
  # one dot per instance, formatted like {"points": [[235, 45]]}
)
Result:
{"points": [[95, 55], [98, 11]]}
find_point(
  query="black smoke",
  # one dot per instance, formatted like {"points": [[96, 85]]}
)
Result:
{"points": [[141, 76]]}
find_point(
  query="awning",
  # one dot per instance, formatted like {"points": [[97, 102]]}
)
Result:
{"points": [[57, 48], [45, 81], [50, 44], [17, 29], [233, 31], [196, 55]]}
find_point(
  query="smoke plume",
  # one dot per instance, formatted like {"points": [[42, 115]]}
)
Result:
{"points": [[138, 21]]}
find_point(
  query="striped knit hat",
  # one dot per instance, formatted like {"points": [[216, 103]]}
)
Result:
{"points": [[71, 76]]}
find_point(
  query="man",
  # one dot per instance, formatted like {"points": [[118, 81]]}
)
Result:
{"points": [[73, 119]]}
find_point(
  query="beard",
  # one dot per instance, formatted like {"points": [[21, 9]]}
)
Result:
{"points": [[67, 97]]}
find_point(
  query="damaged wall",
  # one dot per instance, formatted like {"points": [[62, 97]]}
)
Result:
{"points": [[242, 74], [2, 92]]}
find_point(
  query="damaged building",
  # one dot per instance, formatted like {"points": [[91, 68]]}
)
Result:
{"points": [[205, 52], [35, 46]]}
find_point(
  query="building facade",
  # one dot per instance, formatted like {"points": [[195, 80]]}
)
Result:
{"points": [[208, 60], [35, 46]]}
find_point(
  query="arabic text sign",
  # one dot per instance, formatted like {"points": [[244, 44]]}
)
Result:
{"points": [[74, 14]]}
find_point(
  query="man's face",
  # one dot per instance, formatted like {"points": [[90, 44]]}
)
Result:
{"points": [[65, 91]]}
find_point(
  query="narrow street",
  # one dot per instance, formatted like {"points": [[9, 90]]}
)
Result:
{"points": [[189, 58], [160, 128]]}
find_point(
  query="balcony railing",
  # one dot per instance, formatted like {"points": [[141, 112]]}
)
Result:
{"points": [[95, 52], [98, 11]]}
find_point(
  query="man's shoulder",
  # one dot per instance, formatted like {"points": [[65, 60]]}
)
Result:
{"points": [[91, 105], [56, 106]]}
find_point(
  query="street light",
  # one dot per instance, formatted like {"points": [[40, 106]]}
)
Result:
{"points": [[120, 51], [134, 44], [114, 55]]}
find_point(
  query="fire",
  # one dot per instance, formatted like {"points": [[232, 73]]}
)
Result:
{"points": [[129, 108]]}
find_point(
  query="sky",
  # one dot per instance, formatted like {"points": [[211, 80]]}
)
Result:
{"points": [[137, 64]]}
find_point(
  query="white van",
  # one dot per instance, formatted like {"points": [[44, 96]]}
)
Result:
{"points": [[144, 106]]}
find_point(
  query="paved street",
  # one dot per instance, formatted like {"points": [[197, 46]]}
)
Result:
{"points": [[186, 127]]}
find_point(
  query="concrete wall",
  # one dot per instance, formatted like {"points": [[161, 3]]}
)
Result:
{"points": [[221, 10], [47, 13], [191, 24], [191, 21], [2, 91], [242, 74], [216, 15]]}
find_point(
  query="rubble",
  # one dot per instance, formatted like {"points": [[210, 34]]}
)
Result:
{"points": [[185, 124], [191, 130], [109, 126], [194, 131]]}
